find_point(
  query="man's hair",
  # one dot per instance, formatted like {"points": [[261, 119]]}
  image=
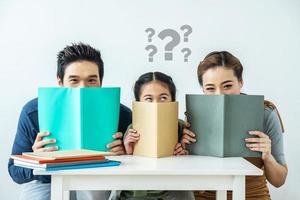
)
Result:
{"points": [[78, 52]]}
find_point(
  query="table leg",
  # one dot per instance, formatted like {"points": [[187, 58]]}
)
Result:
{"points": [[238, 192], [221, 195], [57, 188], [66, 195]]}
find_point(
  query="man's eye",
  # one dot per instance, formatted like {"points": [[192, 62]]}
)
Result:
{"points": [[210, 89], [73, 80], [93, 81]]}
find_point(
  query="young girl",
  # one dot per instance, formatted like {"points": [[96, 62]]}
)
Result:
{"points": [[155, 87], [221, 73]]}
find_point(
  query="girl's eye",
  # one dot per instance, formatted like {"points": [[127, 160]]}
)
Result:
{"points": [[163, 98], [148, 99], [227, 86]]}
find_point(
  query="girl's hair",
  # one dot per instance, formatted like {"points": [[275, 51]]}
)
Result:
{"points": [[154, 76], [220, 59]]}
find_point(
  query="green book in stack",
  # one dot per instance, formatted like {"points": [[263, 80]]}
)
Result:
{"points": [[222, 122], [79, 118]]}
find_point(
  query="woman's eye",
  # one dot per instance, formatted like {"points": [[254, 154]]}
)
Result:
{"points": [[210, 89], [227, 86]]}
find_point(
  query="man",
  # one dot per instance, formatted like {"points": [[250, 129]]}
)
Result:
{"points": [[78, 65]]}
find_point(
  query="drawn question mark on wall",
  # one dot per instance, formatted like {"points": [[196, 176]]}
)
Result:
{"points": [[153, 50], [170, 45], [187, 52], [186, 33], [152, 32]]}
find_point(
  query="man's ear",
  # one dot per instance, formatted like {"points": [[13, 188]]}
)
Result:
{"points": [[60, 82]]}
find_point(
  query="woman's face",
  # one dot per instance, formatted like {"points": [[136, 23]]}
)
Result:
{"points": [[221, 80], [155, 91]]}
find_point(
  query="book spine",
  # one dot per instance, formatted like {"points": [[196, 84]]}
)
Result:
{"points": [[81, 113], [224, 125]]}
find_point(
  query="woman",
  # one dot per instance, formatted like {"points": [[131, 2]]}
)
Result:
{"points": [[221, 73]]}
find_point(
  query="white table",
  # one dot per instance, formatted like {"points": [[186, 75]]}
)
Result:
{"points": [[170, 173]]}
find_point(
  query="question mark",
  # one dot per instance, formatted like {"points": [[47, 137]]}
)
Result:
{"points": [[154, 51], [170, 45], [187, 33], [187, 52], [152, 32]]}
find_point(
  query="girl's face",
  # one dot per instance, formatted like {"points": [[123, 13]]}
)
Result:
{"points": [[155, 91], [220, 80]]}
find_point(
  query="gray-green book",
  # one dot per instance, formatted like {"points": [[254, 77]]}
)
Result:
{"points": [[222, 122], [79, 118]]}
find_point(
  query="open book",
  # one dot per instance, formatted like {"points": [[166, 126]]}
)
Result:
{"points": [[221, 123], [79, 118], [157, 124]]}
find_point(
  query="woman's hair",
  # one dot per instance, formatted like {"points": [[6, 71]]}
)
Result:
{"points": [[220, 59], [154, 76]]}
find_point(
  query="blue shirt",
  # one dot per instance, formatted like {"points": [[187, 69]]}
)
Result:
{"points": [[27, 130]]}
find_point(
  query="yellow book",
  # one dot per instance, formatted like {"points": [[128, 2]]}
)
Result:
{"points": [[157, 124]]}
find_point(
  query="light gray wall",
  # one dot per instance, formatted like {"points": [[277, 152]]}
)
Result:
{"points": [[263, 34]]}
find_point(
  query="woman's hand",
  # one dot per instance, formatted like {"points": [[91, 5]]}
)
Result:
{"points": [[179, 150], [188, 136], [262, 144], [131, 138], [39, 143]]}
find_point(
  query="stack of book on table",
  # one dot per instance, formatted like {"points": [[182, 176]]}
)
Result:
{"points": [[62, 160]]}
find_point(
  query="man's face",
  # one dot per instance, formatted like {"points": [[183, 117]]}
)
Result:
{"points": [[81, 74]]}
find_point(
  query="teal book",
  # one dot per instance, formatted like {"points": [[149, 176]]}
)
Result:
{"points": [[79, 118], [222, 122]]}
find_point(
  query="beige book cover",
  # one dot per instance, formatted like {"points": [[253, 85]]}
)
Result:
{"points": [[157, 124], [67, 154]]}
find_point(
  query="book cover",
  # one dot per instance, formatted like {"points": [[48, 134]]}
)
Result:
{"points": [[221, 123], [56, 164], [157, 124], [66, 154], [39, 160], [79, 118], [107, 163]]}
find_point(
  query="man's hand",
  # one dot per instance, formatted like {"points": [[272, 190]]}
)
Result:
{"points": [[39, 144], [117, 146]]}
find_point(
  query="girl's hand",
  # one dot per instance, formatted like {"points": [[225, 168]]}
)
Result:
{"points": [[188, 137], [129, 141], [179, 150], [261, 144], [39, 143]]}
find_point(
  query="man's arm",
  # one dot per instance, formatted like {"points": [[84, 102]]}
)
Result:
{"points": [[125, 119], [24, 139]]}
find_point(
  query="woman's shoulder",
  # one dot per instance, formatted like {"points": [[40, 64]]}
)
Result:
{"points": [[272, 114]]}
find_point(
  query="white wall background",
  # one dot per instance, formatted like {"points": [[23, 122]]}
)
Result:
{"points": [[265, 35]]}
